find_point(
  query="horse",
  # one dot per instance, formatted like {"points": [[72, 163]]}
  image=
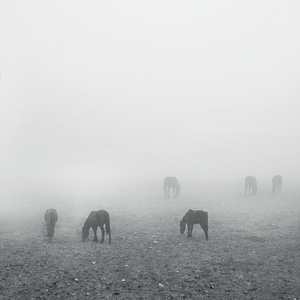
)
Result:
{"points": [[51, 218], [194, 217], [95, 219], [250, 185], [171, 182], [276, 184]]}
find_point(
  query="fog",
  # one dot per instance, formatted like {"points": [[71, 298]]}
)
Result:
{"points": [[104, 93]]}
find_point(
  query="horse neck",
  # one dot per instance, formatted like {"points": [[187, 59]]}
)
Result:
{"points": [[87, 225], [184, 219]]}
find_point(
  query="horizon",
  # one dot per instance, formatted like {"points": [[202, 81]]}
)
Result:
{"points": [[104, 92]]}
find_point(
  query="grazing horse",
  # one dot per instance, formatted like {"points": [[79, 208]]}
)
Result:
{"points": [[276, 183], [95, 219], [194, 217], [250, 185], [171, 182], [51, 218]]}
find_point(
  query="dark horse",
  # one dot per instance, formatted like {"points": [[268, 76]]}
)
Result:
{"points": [[250, 185], [276, 183], [51, 218], [95, 219], [171, 182], [194, 217]]}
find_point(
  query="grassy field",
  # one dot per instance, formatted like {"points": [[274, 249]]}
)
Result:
{"points": [[253, 251]]}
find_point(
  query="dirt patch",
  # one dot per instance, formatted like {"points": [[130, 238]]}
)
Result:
{"points": [[252, 252]]}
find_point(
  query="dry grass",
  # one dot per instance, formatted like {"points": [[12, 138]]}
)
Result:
{"points": [[252, 252]]}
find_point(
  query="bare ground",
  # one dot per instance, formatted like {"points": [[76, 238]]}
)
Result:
{"points": [[253, 250]]}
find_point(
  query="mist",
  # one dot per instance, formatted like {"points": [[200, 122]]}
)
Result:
{"points": [[95, 95], [101, 101]]}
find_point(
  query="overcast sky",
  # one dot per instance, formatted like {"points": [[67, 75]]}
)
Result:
{"points": [[94, 90]]}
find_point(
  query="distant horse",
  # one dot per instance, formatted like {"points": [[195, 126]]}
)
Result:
{"points": [[171, 182], [194, 217], [51, 218], [250, 185], [95, 219], [277, 183]]}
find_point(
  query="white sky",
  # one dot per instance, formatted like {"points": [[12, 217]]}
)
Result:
{"points": [[194, 89]]}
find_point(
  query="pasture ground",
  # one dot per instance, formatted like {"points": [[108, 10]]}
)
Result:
{"points": [[253, 250]]}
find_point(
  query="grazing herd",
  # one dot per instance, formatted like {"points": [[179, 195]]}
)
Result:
{"points": [[101, 218], [251, 185]]}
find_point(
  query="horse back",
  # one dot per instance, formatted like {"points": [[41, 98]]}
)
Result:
{"points": [[51, 216], [277, 179], [170, 181], [250, 181], [197, 217], [102, 217]]}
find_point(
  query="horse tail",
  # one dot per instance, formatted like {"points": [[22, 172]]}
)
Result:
{"points": [[51, 225], [206, 216], [53, 220], [107, 226]]}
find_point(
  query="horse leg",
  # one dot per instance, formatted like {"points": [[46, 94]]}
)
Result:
{"points": [[189, 230], [103, 233], [205, 229], [48, 230], [95, 234], [52, 230], [168, 191], [192, 227]]}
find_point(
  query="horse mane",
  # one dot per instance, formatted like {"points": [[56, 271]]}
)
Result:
{"points": [[188, 212], [88, 220], [183, 220]]}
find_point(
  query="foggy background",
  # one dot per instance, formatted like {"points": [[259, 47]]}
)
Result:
{"points": [[95, 93]]}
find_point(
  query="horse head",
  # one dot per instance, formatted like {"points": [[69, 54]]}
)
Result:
{"points": [[85, 233], [182, 226]]}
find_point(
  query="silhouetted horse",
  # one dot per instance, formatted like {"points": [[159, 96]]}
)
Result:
{"points": [[95, 219], [171, 182], [277, 183], [51, 218], [250, 185], [194, 217]]}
